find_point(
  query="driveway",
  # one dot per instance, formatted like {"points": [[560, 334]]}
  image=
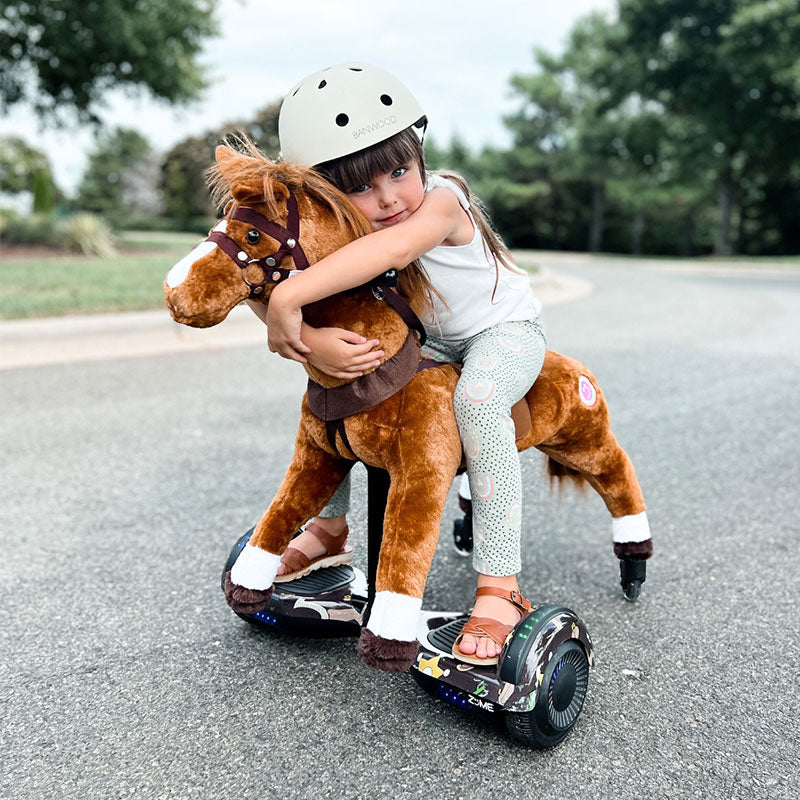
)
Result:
{"points": [[127, 479]]}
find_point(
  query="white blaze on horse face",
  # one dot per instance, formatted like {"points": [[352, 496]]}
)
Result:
{"points": [[178, 274]]}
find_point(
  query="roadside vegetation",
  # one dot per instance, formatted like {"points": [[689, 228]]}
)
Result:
{"points": [[665, 130], [40, 283]]}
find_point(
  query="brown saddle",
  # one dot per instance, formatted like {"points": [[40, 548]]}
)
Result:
{"points": [[334, 405]]}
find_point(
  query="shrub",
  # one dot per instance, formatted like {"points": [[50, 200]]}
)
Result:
{"points": [[88, 233], [139, 222], [31, 229]]}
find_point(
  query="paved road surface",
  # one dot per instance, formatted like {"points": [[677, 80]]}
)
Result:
{"points": [[125, 481]]}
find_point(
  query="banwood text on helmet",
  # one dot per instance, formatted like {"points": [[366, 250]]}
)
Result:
{"points": [[343, 109]]}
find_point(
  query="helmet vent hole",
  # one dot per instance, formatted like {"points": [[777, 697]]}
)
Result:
{"points": [[342, 120], [386, 100], [356, 69], [322, 84]]}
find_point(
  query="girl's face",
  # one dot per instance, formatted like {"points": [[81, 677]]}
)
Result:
{"points": [[390, 197]]}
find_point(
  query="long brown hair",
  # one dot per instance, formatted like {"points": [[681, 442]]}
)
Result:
{"points": [[348, 172]]}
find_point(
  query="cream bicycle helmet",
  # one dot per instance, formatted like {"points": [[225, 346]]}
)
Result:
{"points": [[343, 109]]}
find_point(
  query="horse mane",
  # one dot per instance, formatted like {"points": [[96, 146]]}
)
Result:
{"points": [[252, 167]]}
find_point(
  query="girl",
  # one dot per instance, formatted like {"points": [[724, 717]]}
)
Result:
{"points": [[357, 125]]}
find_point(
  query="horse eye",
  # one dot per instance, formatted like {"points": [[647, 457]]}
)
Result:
{"points": [[253, 236]]}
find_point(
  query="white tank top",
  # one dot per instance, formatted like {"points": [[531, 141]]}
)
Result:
{"points": [[465, 276]]}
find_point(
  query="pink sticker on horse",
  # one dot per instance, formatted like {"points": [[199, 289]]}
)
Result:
{"points": [[587, 392]]}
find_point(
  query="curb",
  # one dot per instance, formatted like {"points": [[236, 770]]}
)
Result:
{"points": [[130, 334]]}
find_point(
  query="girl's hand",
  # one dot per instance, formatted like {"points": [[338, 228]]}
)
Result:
{"points": [[284, 322], [340, 353]]}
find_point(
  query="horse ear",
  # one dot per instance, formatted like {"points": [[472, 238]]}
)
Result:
{"points": [[233, 167], [245, 175], [280, 190], [227, 160]]}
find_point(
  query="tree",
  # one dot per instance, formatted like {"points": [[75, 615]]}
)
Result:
{"points": [[186, 196], [103, 186], [561, 148], [731, 68], [65, 54], [25, 169]]}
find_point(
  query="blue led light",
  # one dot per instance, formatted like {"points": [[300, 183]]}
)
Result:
{"points": [[453, 696]]}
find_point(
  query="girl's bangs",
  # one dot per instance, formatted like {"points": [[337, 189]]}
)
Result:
{"points": [[355, 170]]}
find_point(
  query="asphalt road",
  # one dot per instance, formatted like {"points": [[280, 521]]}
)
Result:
{"points": [[126, 481]]}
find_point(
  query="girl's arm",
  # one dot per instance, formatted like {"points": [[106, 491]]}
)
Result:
{"points": [[259, 309], [340, 353], [355, 264], [335, 351]]}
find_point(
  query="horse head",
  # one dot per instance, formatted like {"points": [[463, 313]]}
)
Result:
{"points": [[278, 218]]}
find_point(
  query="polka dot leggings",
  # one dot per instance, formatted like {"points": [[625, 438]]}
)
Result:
{"points": [[500, 365]]}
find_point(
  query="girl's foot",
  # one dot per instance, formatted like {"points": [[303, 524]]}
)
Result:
{"points": [[323, 543], [493, 608]]}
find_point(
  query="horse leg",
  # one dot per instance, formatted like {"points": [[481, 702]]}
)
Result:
{"points": [[417, 495], [571, 425], [313, 476], [607, 468]]}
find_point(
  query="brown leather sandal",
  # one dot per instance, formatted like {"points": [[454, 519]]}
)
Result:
{"points": [[299, 564], [490, 628]]}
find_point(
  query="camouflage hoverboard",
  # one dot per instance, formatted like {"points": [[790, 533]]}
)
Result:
{"points": [[537, 688]]}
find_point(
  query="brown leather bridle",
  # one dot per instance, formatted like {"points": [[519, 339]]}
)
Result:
{"points": [[287, 237]]}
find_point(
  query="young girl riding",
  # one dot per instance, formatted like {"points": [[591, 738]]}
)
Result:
{"points": [[361, 128]]}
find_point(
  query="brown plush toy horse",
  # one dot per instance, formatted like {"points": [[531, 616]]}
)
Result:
{"points": [[281, 215]]}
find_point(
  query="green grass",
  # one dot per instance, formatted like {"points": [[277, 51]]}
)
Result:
{"points": [[73, 284]]}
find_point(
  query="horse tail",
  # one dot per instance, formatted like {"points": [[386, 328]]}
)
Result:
{"points": [[558, 473]]}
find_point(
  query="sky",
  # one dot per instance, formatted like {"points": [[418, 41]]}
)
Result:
{"points": [[456, 56]]}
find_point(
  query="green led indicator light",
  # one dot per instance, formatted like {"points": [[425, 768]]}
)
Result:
{"points": [[522, 635]]}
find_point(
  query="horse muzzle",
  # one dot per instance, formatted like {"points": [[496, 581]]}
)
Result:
{"points": [[198, 312]]}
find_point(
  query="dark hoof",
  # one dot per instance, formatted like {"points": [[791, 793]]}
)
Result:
{"points": [[245, 601], [639, 551], [387, 655]]}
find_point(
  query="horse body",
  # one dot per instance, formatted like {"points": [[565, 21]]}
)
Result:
{"points": [[412, 434]]}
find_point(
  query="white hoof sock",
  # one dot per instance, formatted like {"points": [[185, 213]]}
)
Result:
{"points": [[255, 568], [394, 616], [633, 528]]}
